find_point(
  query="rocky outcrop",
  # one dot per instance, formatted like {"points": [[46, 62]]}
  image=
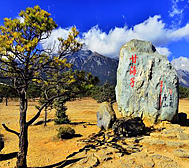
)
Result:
{"points": [[129, 127], [147, 83], [105, 116]]}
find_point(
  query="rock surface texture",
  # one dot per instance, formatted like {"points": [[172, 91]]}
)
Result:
{"points": [[147, 83], [105, 116]]}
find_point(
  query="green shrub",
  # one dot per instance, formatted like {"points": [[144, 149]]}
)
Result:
{"points": [[61, 116], [65, 132]]}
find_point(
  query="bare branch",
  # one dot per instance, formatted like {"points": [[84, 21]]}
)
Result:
{"points": [[1, 83], [41, 108], [10, 130]]}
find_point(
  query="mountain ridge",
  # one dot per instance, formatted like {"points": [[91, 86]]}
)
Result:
{"points": [[103, 67], [181, 65]]}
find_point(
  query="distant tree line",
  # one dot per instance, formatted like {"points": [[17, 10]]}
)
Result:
{"points": [[183, 92], [102, 93], [6, 92], [105, 92]]}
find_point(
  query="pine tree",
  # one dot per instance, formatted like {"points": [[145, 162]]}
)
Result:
{"points": [[61, 117], [25, 62]]}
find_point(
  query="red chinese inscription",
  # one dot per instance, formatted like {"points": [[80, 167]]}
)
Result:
{"points": [[133, 58], [133, 70], [161, 86], [132, 83]]}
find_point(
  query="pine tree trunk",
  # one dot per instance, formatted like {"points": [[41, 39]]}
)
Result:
{"points": [[6, 101], [45, 123], [23, 137]]}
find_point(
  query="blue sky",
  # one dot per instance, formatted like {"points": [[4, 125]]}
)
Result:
{"points": [[105, 25]]}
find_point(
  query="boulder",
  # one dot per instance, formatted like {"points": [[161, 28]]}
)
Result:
{"points": [[105, 116], [129, 127], [147, 83]]}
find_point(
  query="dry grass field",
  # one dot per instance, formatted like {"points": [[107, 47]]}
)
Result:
{"points": [[44, 148]]}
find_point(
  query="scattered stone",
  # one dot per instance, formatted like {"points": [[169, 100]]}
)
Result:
{"points": [[148, 163], [169, 133], [147, 83], [156, 156], [182, 136], [157, 142], [182, 153], [153, 141], [174, 144], [105, 116], [120, 163], [130, 127], [155, 134], [162, 164]]}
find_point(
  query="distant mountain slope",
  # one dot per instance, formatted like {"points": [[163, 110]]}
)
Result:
{"points": [[181, 65], [103, 67]]}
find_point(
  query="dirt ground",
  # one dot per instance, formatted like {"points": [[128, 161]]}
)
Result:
{"points": [[44, 148]]}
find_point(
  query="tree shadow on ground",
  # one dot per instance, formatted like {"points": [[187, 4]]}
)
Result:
{"points": [[42, 122], [73, 136], [71, 123], [62, 163], [56, 165], [8, 156], [182, 119], [80, 123], [77, 135]]}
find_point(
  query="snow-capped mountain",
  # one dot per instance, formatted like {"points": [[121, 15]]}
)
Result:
{"points": [[181, 65], [103, 67]]}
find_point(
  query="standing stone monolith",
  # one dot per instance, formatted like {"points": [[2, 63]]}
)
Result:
{"points": [[147, 83]]}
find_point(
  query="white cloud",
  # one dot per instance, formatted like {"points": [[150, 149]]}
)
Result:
{"points": [[163, 51], [181, 33], [52, 42], [21, 19], [103, 43], [175, 10], [153, 29]]}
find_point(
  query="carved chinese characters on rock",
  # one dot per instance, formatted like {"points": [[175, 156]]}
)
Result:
{"points": [[166, 99], [133, 70]]}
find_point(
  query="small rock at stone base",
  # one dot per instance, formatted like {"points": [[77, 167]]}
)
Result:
{"points": [[105, 116]]}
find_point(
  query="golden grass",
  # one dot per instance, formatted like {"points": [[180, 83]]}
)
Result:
{"points": [[44, 149]]}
